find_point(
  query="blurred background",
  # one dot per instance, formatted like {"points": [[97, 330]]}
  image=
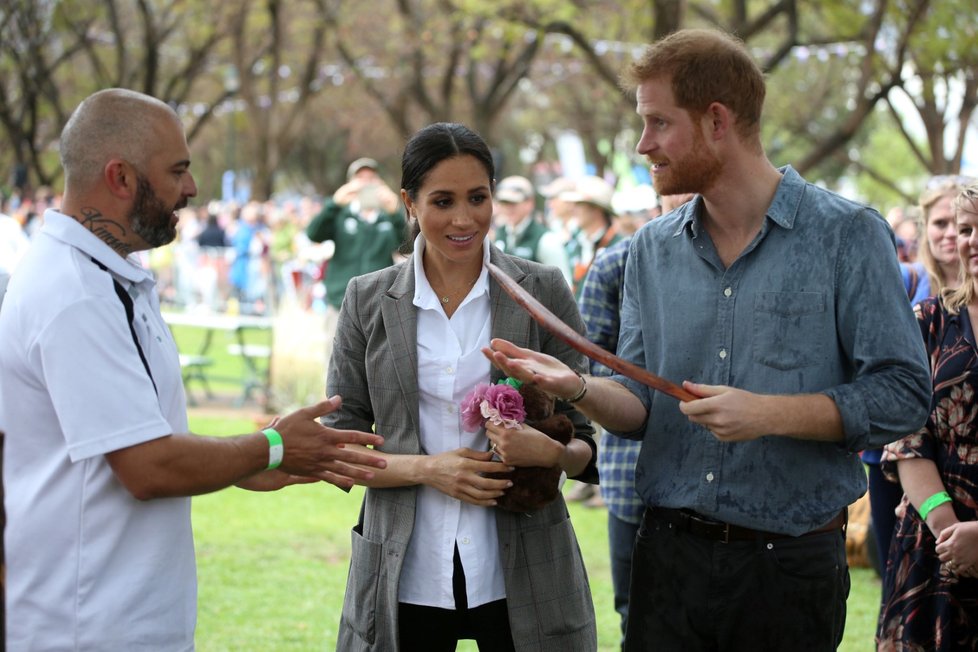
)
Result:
{"points": [[866, 96], [870, 98]]}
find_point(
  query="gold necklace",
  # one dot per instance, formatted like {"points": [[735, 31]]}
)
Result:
{"points": [[446, 299]]}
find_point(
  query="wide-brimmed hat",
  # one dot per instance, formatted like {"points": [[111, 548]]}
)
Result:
{"points": [[556, 187], [359, 164], [591, 190], [514, 190], [637, 199]]}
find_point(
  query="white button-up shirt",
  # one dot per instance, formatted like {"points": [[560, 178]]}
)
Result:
{"points": [[450, 364]]}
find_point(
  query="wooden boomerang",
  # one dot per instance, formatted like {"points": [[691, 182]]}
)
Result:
{"points": [[550, 321]]}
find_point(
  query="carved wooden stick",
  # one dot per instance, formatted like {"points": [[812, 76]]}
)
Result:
{"points": [[550, 321]]}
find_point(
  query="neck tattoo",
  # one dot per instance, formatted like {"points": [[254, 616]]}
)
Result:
{"points": [[100, 225]]}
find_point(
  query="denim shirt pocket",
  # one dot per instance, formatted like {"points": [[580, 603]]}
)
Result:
{"points": [[788, 329]]}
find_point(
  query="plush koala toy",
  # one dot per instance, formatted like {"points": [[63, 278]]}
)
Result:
{"points": [[536, 486]]}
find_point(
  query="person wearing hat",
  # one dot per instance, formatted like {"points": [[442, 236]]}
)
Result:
{"points": [[596, 223], [635, 206], [365, 223], [559, 216], [519, 232], [559, 213]]}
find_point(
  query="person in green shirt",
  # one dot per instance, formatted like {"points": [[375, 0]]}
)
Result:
{"points": [[519, 232], [364, 221]]}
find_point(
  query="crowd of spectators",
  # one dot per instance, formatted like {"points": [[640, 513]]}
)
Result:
{"points": [[254, 257]]}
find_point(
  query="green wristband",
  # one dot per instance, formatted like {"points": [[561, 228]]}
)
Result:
{"points": [[928, 505], [276, 450]]}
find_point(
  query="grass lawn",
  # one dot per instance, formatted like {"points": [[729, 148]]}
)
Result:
{"points": [[296, 372], [227, 369], [272, 567]]}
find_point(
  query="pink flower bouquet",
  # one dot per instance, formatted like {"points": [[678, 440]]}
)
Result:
{"points": [[501, 404]]}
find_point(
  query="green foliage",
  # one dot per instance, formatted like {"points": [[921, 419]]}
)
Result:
{"points": [[945, 42], [517, 71], [802, 104], [886, 153], [829, 19]]}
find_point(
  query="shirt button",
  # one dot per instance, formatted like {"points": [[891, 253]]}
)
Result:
{"points": [[465, 540], [448, 370], [709, 476], [723, 354], [727, 292], [449, 409]]}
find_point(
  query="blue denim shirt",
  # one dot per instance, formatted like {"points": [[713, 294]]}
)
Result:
{"points": [[815, 303]]}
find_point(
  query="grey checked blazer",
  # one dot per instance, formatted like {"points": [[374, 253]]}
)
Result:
{"points": [[374, 368]]}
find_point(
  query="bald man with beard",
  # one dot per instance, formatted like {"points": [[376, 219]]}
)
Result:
{"points": [[99, 464]]}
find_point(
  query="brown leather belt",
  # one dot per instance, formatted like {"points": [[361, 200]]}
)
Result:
{"points": [[686, 520]]}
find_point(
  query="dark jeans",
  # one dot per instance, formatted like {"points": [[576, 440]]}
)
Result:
{"points": [[694, 594], [621, 540], [884, 496], [430, 629]]}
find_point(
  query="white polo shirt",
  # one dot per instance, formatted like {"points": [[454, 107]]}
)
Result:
{"points": [[89, 567], [450, 364]]}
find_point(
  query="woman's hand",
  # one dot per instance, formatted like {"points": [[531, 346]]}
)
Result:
{"points": [[524, 446], [957, 546], [460, 474], [552, 375]]}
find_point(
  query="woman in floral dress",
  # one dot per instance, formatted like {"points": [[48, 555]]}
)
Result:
{"points": [[930, 589]]}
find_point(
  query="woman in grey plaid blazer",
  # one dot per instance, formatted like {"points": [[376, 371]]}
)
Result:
{"points": [[432, 560]]}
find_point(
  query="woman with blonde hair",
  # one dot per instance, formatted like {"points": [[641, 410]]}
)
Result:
{"points": [[930, 589], [938, 266]]}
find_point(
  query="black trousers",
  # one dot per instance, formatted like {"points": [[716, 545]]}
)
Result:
{"points": [[430, 629], [884, 496], [695, 594]]}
